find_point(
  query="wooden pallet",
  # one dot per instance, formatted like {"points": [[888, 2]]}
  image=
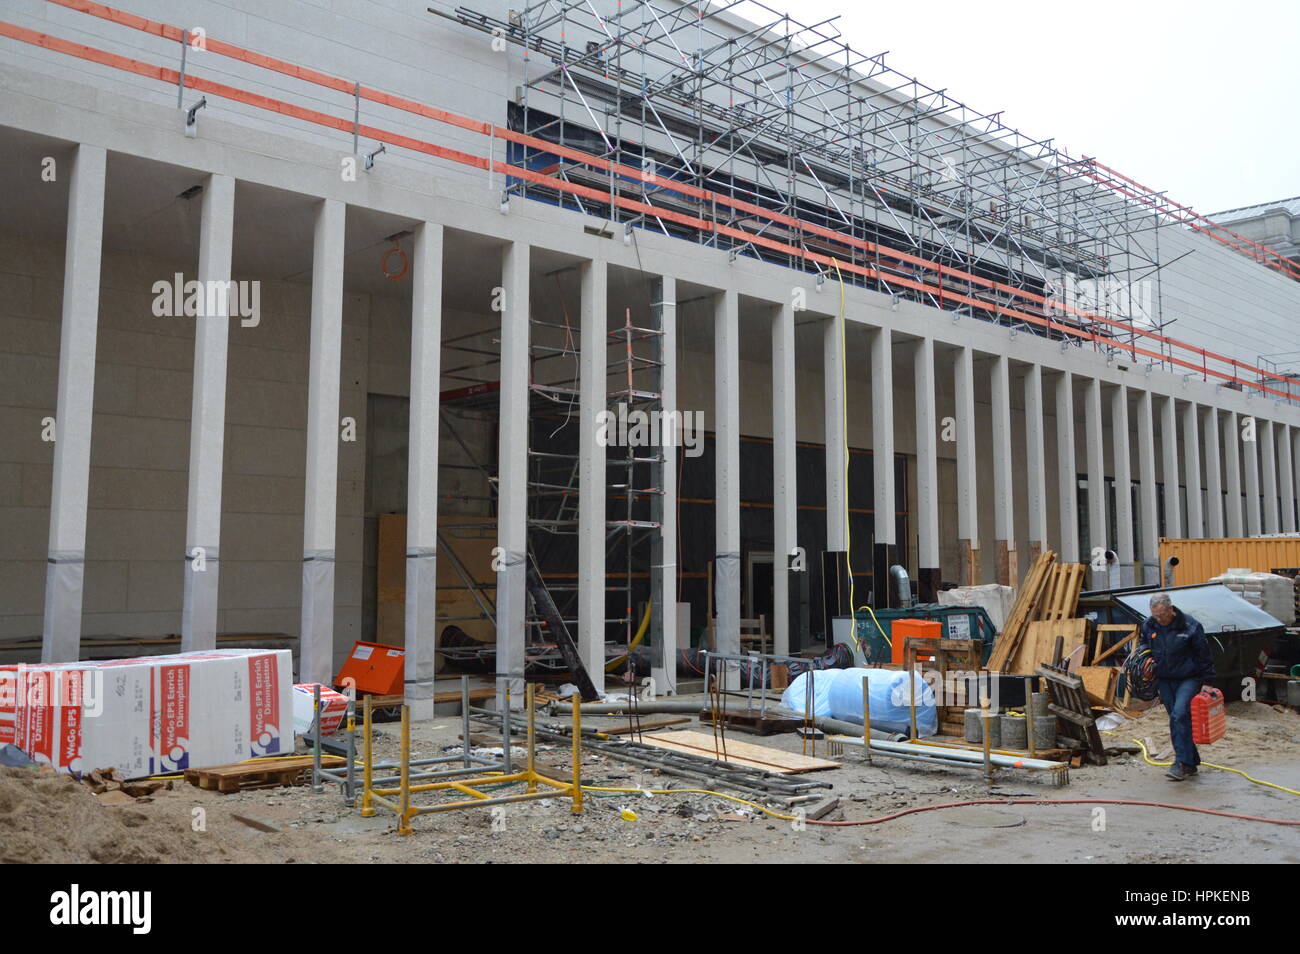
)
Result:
{"points": [[1061, 599], [268, 773], [740, 753], [1023, 612], [946, 656], [1070, 704]]}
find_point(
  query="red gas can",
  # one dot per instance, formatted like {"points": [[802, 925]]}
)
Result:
{"points": [[1207, 717]]}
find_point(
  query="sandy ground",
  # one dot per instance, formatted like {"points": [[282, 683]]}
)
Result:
{"points": [[45, 818]]}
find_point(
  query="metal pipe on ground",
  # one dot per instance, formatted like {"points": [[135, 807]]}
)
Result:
{"points": [[967, 756], [825, 723], [620, 708]]}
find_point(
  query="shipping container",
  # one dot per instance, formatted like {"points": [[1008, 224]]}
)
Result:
{"points": [[1201, 560]]}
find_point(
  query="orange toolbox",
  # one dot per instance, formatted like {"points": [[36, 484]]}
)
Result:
{"points": [[1207, 717], [375, 669], [900, 629]]}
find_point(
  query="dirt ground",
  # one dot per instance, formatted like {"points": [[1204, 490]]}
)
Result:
{"points": [[47, 818]]}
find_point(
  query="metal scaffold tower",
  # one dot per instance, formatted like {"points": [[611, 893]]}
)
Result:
{"points": [[633, 471], [631, 385], [861, 163]]}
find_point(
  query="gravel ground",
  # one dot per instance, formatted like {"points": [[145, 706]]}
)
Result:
{"points": [[48, 818]]}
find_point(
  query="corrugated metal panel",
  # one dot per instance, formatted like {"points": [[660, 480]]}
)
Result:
{"points": [[1215, 607], [1199, 560]]}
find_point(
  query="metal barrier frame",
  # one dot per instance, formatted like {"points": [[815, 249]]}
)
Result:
{"points": [[346, 777], [405, 811]]}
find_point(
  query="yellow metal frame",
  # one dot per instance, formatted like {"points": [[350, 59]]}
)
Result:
{"points": [[405, 811]]}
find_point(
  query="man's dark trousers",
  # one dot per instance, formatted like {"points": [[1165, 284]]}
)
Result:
{"points": [[1177, 695]]}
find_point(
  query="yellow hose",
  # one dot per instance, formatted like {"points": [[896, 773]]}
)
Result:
{"points": [[636, 640], [1221, 768]]}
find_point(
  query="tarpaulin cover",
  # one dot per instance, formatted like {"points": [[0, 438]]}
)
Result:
{"points": [[837, 693]]}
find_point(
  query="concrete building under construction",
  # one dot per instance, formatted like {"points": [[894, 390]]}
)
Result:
{"points": [[324, 324]]}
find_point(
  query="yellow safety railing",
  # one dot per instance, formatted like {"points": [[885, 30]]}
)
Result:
{"points": [[539, 786]]}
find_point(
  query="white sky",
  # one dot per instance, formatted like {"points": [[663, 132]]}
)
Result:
{"points": [[1198, 99]]}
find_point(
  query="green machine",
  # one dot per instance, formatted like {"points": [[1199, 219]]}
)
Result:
{"points": [[959, 622]]}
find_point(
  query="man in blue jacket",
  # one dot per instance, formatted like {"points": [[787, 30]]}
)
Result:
{"points": [[1184, 665]]}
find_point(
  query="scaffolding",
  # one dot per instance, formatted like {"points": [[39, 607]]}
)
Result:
{"points": [[771, 127], [633, 485]]}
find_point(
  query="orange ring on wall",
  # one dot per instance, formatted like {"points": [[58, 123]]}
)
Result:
{"points": [[383, 263]]}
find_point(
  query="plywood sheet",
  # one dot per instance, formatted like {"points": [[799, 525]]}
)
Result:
{"points": [[740, 753], [1099, 682], [1040, 640]]}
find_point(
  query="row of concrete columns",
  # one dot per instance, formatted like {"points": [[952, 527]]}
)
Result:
{"points": [[1207, 442]]}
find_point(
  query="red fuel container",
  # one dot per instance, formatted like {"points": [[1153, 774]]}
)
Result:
{"points": [[1207, 717]]}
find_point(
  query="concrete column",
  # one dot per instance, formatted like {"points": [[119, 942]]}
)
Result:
{"points": [[316, 642], [1232, 478], [1268, 467], [1169, 444], [1287, 478], [927, 473], [65, 566], [1213, 472], [594, 398], [1068, 482], [1148, 496], [1248, 438], [968, 531], [663, 572], [1123, 466], [1035, 462], [512, 475], [835, 437], [1098, 527], [726, 410], [1295, 467], [1192, 469], [1004, 530], [422, 471], [784, 498], [208, 420], [884, 552]]}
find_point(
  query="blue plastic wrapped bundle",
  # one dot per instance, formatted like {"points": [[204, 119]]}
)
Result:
{"points": [[837, 693]]}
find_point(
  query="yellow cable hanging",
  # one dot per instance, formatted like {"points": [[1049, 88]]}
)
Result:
{"points": [[636, 641]]}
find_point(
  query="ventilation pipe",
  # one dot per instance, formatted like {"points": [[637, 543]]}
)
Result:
{"points": [[1167, 575], [1114, 581], [899, 575]]}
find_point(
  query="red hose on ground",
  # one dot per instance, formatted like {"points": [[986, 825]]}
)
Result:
{"points": [[1052, 801]]}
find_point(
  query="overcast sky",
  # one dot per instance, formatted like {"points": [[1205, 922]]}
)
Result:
{"points": [[1197, 99]]}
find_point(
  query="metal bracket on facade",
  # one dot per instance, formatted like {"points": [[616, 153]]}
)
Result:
{"points": [[191, 117]]}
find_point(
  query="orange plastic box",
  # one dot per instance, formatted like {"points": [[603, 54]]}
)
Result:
{"points": [[374, 668], [900, 629]]}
